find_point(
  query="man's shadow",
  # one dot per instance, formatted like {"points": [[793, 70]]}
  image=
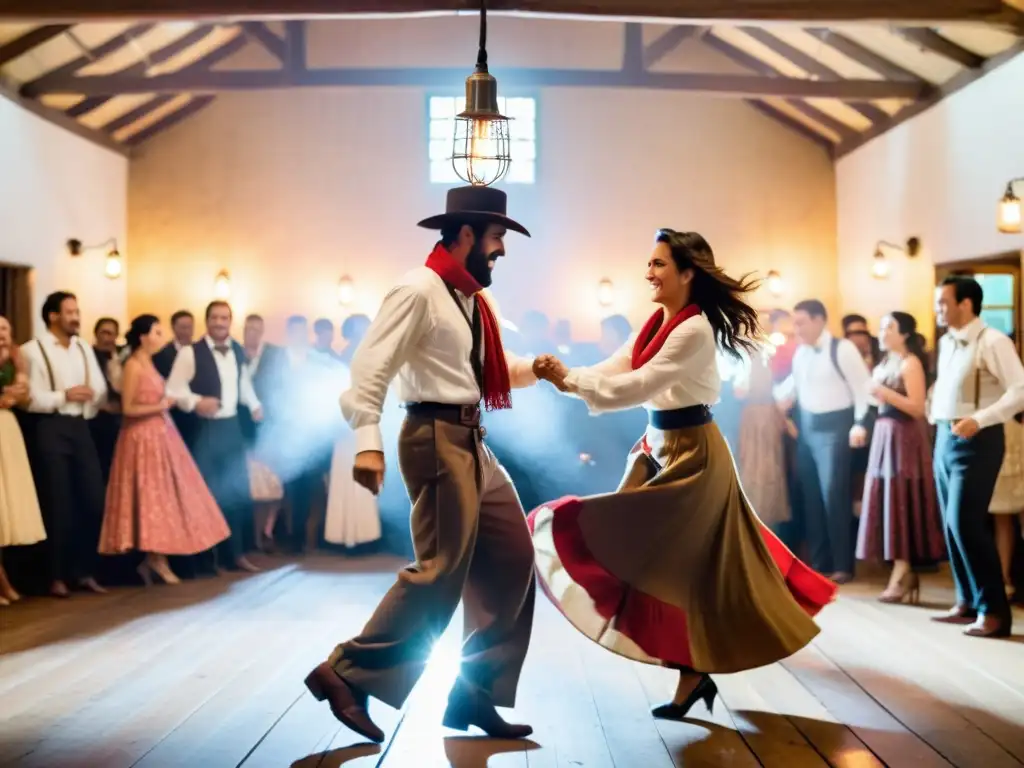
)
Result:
{"points": [[461, 751]]}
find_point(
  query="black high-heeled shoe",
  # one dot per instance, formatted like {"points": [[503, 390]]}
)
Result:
{"points": [[706, 690]]}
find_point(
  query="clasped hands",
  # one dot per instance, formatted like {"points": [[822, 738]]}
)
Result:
{"points": [[550, 368]]}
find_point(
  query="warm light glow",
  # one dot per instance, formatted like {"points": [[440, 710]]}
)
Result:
{"points": [[346, 291], [778, 338], [1011, 212], [481, 148], [482, 160], [222, 286], [880, 267], [773, 282], [605, 293], [113, 266]]}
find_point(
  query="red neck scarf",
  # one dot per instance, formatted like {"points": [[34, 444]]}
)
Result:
{"points": [[652, 336], [497, 385]]}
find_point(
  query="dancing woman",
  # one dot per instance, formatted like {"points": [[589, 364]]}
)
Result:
{"points": [[675, 568]]}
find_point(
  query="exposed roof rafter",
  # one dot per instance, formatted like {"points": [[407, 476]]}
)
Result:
{"points": [[930, 12], [19, 46]]}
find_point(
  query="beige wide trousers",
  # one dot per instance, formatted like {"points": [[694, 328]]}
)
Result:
{"points": [[472, 544]]}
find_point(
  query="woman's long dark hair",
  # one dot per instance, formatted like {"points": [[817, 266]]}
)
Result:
{"points": [[907, 326], [719, 296], [141, 326]]}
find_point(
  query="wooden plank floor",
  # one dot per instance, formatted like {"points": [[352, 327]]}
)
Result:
{"points": [[209, 674]]}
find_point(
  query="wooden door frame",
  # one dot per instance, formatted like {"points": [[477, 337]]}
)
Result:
{"points": [[21, 335], [999, 263]]}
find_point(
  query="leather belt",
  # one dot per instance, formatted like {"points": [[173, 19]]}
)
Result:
{"points": [[463, 415]]}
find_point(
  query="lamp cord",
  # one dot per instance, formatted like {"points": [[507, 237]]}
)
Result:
{"points": [[481, 56]]}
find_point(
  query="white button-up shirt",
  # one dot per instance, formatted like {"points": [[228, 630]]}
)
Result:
{"points": [[968, 357], [421, 336], [184, 370], [72, 366], [816, 384]]}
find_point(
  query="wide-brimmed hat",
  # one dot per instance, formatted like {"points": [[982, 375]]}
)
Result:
{"points": [[475, 205]]}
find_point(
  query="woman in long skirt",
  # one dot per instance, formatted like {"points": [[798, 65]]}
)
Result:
{"points": [[899, 520], [157, 501], [675, 568], [21, 522]]}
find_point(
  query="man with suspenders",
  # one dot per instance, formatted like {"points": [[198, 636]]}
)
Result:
{"points": [[440, 337], [66, 386], [830, 384], [979, 386]]}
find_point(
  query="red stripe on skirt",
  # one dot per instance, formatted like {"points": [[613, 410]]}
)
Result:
{"points": [[658, 628]]}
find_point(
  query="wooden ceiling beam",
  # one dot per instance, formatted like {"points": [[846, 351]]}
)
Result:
{"points": [[261, 33], [739, 86], [863, 56], [912, 12], [755, 64], [198, 103], [56, 117], [811, 66], [667, 42], [948, 88], [933, 42], [794, 125], [114, 44], [19, 46], [159, 56]]}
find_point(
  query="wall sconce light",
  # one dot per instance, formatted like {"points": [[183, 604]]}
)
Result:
{"points": [[112, 267], [605, 292], [880, 267], [773, 282], [346, 291], [1010, 216], [222, 286], [480, 146]]}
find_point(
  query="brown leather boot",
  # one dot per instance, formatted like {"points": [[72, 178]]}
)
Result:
{"points": [[467, 707], [348, 704]]}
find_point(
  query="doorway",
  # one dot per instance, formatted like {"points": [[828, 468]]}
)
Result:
{"points": [[16, 299]]}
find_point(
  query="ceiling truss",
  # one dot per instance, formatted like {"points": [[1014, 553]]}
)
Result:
{"points": [[797, 102]]}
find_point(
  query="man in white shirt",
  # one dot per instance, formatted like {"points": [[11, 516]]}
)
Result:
{"points": [[211, 379], [67, 387], [830, 386], [979, 386], [440, 337]]}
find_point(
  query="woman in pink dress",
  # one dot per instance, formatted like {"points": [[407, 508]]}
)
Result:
{"points": [[157, 502]]}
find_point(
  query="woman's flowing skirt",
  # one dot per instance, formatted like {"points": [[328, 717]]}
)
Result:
{"points": [[900, 517], [21, 521], [675, 568], [157, 500]]}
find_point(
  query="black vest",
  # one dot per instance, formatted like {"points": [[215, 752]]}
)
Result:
{"points": [[206, 381]]}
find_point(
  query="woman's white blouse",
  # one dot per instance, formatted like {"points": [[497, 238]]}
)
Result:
{"points": [[684, 372]]}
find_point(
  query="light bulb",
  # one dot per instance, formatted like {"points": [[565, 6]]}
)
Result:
{"points": [[222, 286], [113, 267], [482, 161], [1010, 214], [880, 269], [777, 338], [605, 293], [346, 291], [774, 283]]}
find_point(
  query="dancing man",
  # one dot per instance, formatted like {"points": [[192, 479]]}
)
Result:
{"points": [[441, 338]]}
